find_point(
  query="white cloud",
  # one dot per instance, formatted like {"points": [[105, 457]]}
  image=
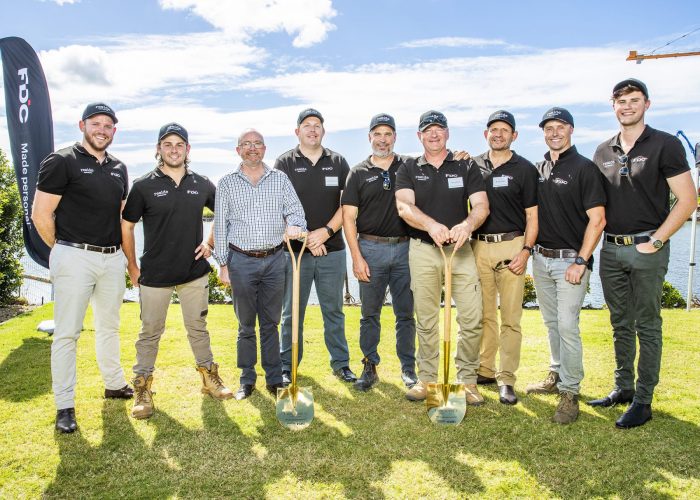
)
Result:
{"points": [[307, 19], [451, 41], [62, 2]]}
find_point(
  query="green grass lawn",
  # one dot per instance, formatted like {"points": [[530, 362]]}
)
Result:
{"points": [[361, 445]]}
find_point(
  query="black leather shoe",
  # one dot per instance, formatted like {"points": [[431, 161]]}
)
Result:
{"points": [[272, 389], [345, 374], [409, 378], [244, 391], [481, 380], [636, 414], [368, 378], [125, 392], [506, 395], [286, 378], [616, 397], [65, 420]]}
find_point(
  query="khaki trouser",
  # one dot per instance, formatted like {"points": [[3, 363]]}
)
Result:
{"points": [[427, 278], [508, 287], [80, 277], [194, 302]]}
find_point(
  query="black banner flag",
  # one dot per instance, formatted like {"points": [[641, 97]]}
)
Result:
{"points": [[30, 124]]}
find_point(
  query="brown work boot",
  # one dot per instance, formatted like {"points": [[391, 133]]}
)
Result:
{"points": [[547, 386], [473, 396], [143, 397], [212, 383], [417, 393], [567, 411]]}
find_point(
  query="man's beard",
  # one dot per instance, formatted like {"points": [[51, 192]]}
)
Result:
{"points": [[382, 154], [94, 146]]}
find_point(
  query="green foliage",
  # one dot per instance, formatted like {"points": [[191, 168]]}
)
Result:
{"points": [[529, 296], [11, 243], [671, 298], [218, 292]]}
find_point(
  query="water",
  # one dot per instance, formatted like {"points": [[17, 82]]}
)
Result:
{"points": [[38, 293]]}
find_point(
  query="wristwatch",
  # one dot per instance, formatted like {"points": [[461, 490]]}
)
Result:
{"points": [[529, 249], [330, 231], [580, 261], [656, 243]]}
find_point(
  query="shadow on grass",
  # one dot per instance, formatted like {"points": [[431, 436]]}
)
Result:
{"points": [[26, 371]]}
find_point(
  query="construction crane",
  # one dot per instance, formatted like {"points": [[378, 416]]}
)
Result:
{"points": [[640, 57]]}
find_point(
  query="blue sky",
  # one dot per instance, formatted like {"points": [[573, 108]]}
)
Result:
{"points": [[219, 66]]}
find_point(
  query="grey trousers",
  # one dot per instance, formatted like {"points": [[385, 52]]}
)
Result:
{"points": [[194, 303]]}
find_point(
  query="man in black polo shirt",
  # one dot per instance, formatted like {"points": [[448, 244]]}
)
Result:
{"points": [[378, 242], [502, 248], [170, 200], [571, 212], [641, 167], [79, 196], [431, 195], [318, 176]]}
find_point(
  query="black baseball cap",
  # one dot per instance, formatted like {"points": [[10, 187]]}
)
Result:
{"points": [[382, 119], [556, 113], [632, 82], [431, 117], [173, 128], [309, 112], [99, 108], [501, 116]]}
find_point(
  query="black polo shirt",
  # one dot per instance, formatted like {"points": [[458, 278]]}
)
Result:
{"points": [[172, 225], [566, 189], [318, 187], [441, 193], [511, 188], [91, 195], [640, 201], [377, 212]]}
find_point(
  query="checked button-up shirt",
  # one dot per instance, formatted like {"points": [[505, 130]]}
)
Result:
{"points": [[254, 217]]}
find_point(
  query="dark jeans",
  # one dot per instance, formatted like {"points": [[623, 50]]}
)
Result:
{"points": [[258, 288], [388, 266], [327, 274], [632, 285]]}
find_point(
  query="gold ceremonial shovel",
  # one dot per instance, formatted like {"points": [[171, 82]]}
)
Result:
{"points": [[295, 405], [446, 402]]}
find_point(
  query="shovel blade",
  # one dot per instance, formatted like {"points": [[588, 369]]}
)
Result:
{"points": [[446, 403], [295, 407]]}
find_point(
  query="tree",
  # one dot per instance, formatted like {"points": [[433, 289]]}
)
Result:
{"points": [[11, 244]]}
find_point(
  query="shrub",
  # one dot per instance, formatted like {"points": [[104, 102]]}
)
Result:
{"points": [[11, 242], [529, 296], [218, 292], [671, 298]]}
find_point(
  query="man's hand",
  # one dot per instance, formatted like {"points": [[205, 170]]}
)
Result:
{"points": [[518, 263], [203, 250], [319, 251], [223, 275], [460, 234], [460, 155], [317, 238], [134, 274], [360, 269], [646, 247], [574, 273], [439, 233], [292, 233]]}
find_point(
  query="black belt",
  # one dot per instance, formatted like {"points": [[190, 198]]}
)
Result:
{"points": [[497, 238], [86, 246], [627, 239], [258, 254], [382, 239], [564, 253]]}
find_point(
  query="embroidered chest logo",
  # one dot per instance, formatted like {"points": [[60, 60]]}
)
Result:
{"points": [[192, 191], [325, 169], [560, 181], [608, 164], [116, 174], [159, 194], [372, 179], [300, 169], [639, 159], [422, 177], [451, 175], [87, 170]]}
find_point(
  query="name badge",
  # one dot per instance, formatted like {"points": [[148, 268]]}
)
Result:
{"points": [[331, 181], [500, 182], [454, 182]]}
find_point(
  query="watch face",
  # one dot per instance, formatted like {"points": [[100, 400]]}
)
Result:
{"points": [[579, 260], [658, 244]]}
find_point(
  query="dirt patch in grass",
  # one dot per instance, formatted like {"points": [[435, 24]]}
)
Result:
{"points": [[9, 312]]}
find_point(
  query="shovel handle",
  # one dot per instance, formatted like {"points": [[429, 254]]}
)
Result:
{"points": [[296, 265], [447, 318]]}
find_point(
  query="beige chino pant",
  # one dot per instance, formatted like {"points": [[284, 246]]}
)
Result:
{"points": [[427, 279], [80, 277], [194, 303], [509, 288]]}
